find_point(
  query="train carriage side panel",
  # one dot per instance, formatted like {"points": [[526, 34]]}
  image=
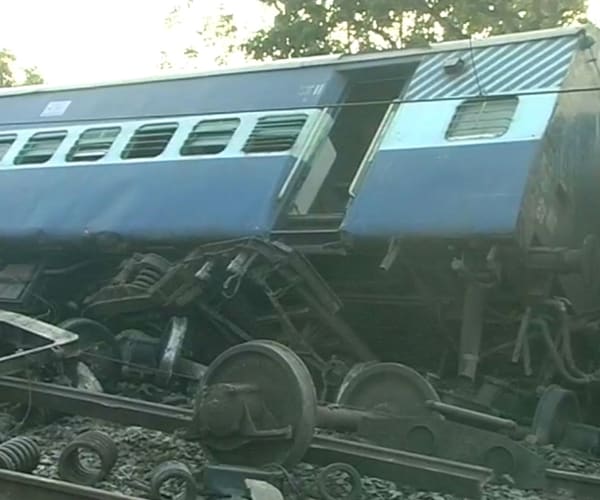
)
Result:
{"points": [[457, 155], [164, 197]]}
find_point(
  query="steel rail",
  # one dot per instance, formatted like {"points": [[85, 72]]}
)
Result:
{"points": [[583, 486], [421, 471], [102, 406], [17, 486]]}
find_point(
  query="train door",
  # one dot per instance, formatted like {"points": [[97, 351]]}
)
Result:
{"points": [[357, 119]]}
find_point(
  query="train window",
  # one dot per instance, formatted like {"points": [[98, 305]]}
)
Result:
{"points": [[482, 118], [6, 141], [149, 141], [209, 137], [275, 133], [93, 144], [40, 147]]}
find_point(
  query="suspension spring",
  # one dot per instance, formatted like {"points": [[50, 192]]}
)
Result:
{"points": [[72, 466], [150, 269], [20, 454], [147, 278]]}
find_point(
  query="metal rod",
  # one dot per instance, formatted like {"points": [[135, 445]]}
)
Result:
{"points": [[475, 417], [339, 418], [471, 330]]}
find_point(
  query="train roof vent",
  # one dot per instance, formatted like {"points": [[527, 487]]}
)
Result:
{"points": [[209, 137], [6, 141], [93, 144], [149, 141], [40, 147], [482, 117], [275, 133]]}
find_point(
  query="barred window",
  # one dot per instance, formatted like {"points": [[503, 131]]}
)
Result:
{"points": [[482, 118], [275, 133], [93, 144], [210, 137], [40, 147], [149, 141]]}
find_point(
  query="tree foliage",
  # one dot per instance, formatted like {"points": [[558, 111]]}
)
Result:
{"points": [[215, 37], [7, 72], [303, 28]]}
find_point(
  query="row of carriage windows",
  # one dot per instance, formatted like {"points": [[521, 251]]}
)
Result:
{"points": [[474, 118], [271, 134]]}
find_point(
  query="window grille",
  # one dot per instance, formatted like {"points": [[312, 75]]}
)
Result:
{"points": [[149, 141], [482, 118], [209, 137], [275, 133], [40, 147], [93, 144]]}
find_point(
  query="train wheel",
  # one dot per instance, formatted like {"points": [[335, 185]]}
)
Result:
{"points": [[281, 395], [555, 410], [391, 388]]}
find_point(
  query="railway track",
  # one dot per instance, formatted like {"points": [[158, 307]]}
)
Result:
{"points": [[17, 486], [420, 471]]}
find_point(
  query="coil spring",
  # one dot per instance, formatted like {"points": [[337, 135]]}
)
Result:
{"points": [[334, 470], [71, 468], [173, 470], [147, 277], [20, 454]]}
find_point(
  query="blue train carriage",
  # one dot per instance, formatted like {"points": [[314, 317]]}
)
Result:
{"points": [[463, 171], [483, 182], [195, 158]]}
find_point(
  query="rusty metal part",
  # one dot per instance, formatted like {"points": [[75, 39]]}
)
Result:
{"points": [[556, 409], [18, 486], [136, 287], [173, 470], [256, 405], [171, 352], [402, 467], [73, 469], [20, 454], [37, 342], [390, 388], [448, 440], [334, 469], [300, 274]]}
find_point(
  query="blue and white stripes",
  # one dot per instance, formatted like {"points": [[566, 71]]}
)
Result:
{"points": [[496, 69]]}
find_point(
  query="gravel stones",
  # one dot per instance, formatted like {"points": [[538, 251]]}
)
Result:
{"points": [[141, 450]]}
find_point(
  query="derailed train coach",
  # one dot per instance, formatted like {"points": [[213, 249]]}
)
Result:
{"points": [[435, 207]]}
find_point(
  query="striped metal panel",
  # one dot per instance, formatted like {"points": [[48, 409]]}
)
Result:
{"points": [[526, 66]]}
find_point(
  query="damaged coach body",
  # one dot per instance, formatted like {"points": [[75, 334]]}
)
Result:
{"points": [[434, 207]]}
